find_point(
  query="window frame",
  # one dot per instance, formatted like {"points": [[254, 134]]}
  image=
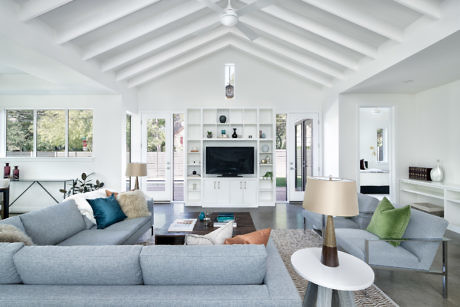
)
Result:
{"points": [[4, 120]]}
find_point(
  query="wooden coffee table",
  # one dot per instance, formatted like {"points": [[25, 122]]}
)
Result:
{"points": [[163, 237]]}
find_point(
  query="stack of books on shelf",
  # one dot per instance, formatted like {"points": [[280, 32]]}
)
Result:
{"points": [[224, 218]]}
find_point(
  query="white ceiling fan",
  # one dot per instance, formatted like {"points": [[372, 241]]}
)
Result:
{"points": [[229, 16]]}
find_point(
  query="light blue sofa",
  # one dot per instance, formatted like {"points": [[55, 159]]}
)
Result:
{"points": [[367, 205], [226, 275], [63, 224]]}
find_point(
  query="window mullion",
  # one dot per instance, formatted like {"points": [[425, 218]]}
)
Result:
{"points": [[66, 133], [34, 154]]}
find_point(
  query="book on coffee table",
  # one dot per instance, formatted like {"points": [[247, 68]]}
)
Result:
{"points": [[182, 225]]}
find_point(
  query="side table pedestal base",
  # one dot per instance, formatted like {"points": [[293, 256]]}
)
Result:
{"points": [[324, 297]]}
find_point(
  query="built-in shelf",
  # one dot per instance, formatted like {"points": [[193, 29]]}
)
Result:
{"points": [[265, 164], [443, 195], [194, 178]]}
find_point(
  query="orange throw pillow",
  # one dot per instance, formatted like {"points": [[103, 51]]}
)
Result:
{"points": [[109, 193], [256, 237]]}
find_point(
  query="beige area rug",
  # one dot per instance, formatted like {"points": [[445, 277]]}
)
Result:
{"points": [[290, 240]]}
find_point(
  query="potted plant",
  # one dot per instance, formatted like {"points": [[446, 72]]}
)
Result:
{"points": [[209, 135], [82, 185]]}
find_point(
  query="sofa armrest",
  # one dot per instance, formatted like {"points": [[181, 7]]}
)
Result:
{"points": [[277, 279], [150, 204]]}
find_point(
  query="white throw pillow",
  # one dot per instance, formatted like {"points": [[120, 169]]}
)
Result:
{"points": [[84, 206], [217, 237]]}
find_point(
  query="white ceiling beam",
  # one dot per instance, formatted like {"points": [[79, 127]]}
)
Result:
{"points": [[170, 53], [246, 46], [298, 57], [321, 30], [92, 22], [299, 41], [35, 8], [187, 59], [344, 10], [142, 28], [424, 7], [168, 38]]}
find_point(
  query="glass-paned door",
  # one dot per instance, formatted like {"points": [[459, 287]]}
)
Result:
{"points": [[156, 152], [303, 152]]}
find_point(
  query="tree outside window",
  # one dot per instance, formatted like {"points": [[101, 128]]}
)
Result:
{"points": [[19, 132]]}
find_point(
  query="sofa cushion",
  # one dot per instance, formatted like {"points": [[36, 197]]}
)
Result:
{"points": [[389, 222], [8, 273], [96, 237], [15, 221], [203, 265], [380, 252], [84, 206], [366, 203], [133, 204], [216, 237], [107, 211], [255, 237], [53, 224], [79, 265], [130, 225]]}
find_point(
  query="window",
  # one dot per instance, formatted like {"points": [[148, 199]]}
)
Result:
{"points": [[381, 145], [49, 133], [178, 126], [80, 133], [281, 162], [19, 133], [229, 81]]}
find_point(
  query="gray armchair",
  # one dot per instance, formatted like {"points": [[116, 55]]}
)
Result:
{"points": [[419, 245], [367, 205]]}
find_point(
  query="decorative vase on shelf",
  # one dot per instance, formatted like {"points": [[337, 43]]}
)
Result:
{"points": [[7, 170], [234, 135], [437, 173], [222, 119], [16, 173]]}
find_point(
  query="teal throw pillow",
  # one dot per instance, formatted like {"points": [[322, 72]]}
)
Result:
{"points": [[389, 222], [106, 211]]}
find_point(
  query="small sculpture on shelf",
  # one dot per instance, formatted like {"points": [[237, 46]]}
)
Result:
{"points": [[234, 135], [7, 171], [268, 159], [209, 134], [437, 173], [16, 173], [222, 119], [223, 133]]}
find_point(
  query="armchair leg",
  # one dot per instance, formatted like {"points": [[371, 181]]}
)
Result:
{"points": [[304, 223], [444, 269]]}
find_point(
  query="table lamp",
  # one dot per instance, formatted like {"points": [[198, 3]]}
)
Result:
{"points": [[136, 169], [331, 197]]}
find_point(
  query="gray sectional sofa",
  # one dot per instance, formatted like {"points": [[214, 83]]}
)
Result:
{"points": [[226, 275], [63, 224]]}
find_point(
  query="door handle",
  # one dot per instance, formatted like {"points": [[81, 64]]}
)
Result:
{"points": [[292, 168], [241, 185], [214, 185], [245, 185], [218, 185]]}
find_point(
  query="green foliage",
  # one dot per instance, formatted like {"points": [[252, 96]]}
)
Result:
{"points": [[82, 185], [20, 130], [51, 130], [281, 182], [280, 131], [80, 126], [156, 138]]}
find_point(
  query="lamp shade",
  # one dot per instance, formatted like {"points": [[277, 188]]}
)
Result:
{"points": [[136, 169], [331, 196]]}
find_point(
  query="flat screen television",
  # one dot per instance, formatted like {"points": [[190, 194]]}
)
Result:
{"points": [[229, 161]]}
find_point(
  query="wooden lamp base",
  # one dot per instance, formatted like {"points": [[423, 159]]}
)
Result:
{"points": [[329, 255]]}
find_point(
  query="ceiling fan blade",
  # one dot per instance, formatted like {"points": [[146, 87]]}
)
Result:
{"points": [[212, 5], [248, 32], [254, 6]]}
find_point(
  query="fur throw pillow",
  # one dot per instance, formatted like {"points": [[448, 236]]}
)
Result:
{"points": [[11, 234], [133, 204]]}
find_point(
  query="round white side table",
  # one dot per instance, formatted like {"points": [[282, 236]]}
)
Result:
{"points": [[352, 274]]}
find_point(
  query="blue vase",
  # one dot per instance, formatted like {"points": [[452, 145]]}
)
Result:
{"points": [[201, 216]]}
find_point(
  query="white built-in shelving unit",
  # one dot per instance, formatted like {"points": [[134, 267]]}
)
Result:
{"points": [[213, 191], [444, 195]]}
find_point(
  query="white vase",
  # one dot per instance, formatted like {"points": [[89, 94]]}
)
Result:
{"points": [[437, 174]]}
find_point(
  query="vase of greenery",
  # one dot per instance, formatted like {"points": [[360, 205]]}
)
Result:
{"points": [[82, 185]]}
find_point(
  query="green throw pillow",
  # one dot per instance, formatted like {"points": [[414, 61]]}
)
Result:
{"points": [[389, 222]]}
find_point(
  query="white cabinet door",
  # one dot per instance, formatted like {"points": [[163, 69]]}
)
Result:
{"points": [[210, 191], [250, 192], [237, 192], [223, 192]]}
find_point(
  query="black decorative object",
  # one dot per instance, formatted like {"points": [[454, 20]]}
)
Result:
{"points": [[222, 119], [234, 135]]}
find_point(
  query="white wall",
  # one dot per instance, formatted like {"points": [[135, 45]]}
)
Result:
{"points": [[369, 122], [108, 147], [331, 139], [430, 130], [257, 83]]}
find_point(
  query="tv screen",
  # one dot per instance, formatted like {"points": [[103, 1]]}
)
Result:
{"points": [[229, 161]]}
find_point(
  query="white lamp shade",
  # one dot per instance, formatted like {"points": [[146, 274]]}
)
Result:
{"points": [[331, 196], [136, 169]]}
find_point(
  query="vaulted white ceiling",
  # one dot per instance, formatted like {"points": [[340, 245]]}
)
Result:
{"points": [[322, 41]]}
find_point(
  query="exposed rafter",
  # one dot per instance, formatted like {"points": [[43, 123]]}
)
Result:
{"points": [[297, 40], [321, 30], [35, 8], [136, 52], [171, 53], [425, 7], [187, 59], [142, 28], [343, 10], [240, 44], [94, 22]]}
